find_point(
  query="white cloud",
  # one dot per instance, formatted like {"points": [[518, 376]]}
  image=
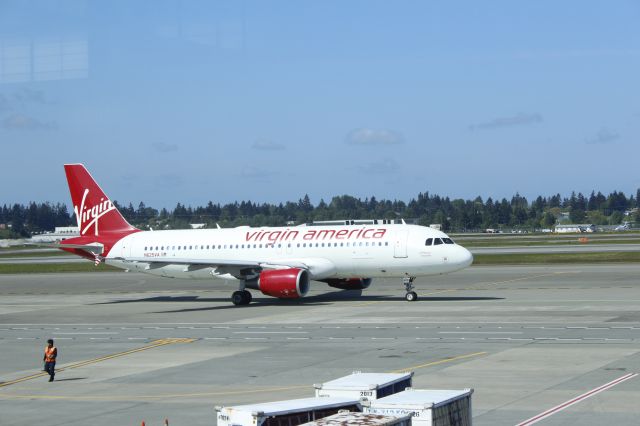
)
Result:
{"points": [[256, 173], [267, 145], [519, 119], [365, 136], [25, 122], [604, 136], [386, 166]]}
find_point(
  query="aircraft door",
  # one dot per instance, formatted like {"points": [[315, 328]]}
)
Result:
{"points": [[400, 244]]}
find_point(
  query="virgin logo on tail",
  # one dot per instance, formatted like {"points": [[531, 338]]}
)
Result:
{"points": [[88, 217]]}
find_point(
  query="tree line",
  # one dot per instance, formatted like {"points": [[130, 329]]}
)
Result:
{"points": [[454, 215]]}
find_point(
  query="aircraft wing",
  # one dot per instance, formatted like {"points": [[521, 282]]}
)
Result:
{"points": [[241, 269]]}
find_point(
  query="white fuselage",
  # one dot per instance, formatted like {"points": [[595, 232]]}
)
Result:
{"points": [[363, 251]]}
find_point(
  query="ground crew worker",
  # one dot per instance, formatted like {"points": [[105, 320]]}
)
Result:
{"points": [[50, 355]]}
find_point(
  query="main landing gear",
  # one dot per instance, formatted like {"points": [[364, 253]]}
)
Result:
{"points": [[411, 295], [241, 297]]}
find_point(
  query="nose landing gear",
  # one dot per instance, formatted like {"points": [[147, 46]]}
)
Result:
{"points": [[411, 295]]}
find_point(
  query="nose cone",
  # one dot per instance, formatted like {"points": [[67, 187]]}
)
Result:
{"points": [[464, 258]]}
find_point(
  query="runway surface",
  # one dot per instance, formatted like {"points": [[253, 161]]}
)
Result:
{"points": [[135, 347]]}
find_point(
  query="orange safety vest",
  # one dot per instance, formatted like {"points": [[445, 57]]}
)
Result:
{"points": [[50, 354]]}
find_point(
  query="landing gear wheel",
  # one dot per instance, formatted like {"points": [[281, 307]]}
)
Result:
{"points": [[241, 297], [411, 295], [238, 298]]}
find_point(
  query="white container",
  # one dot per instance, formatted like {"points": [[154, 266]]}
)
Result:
{"points": [[361, 419], [427, 407], [290, 412], [369, 386]]}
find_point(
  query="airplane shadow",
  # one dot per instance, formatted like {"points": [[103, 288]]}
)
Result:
{"points": [[316, 300]]}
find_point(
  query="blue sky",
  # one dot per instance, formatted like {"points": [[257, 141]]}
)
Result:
{"points": [[189, 101]]}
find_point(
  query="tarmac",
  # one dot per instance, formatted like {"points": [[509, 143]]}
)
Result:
{"points": [[532, 341]]}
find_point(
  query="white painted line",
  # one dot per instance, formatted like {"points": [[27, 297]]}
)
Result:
{"points": [[270, 332], [480, 332], [91, 333], [215, 338], [137, 338], [297, 338], [25, 338], [99, 338], [569, 403]]}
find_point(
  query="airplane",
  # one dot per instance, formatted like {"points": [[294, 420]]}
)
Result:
{"points": [[277, 261]]}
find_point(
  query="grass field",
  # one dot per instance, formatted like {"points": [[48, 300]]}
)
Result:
{"points": [[46, 268], [47, 253], [479, 260], [555, 258]]}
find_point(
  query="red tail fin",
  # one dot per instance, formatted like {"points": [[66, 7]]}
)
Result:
{"points": [[95, 213]]}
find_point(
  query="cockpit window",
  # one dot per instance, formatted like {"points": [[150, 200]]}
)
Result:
{"points": [[447, 240], [437, 241], [428, 242]]}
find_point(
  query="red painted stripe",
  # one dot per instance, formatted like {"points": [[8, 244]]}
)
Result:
{"points": [[577, 399]]}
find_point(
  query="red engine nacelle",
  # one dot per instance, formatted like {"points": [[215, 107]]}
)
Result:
{"points": [[283, 283], [349, 283]]}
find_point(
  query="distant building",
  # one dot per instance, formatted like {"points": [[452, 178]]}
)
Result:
{"points": [[575, 228], [60, 233], [197, 225], [437, 226], [3, 226]]}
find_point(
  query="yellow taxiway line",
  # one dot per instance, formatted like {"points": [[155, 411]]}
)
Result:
{"points": [[201, 394], [441, 361], [152, 345]]}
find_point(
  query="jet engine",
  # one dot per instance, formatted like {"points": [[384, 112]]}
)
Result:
{"points": [[349, 283], [282, 283]]}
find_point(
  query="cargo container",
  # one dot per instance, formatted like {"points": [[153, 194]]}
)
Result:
{"points": [[361, 419], [370, 386], [284, 413], [427, 407]]}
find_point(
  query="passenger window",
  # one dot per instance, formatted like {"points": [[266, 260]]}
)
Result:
{"points": [[447, 240], [437, 241], [386, 243], [145, 249], [428, 242]]}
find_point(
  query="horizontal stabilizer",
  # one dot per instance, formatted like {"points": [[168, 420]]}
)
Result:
{"points": [[95, 248]]}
